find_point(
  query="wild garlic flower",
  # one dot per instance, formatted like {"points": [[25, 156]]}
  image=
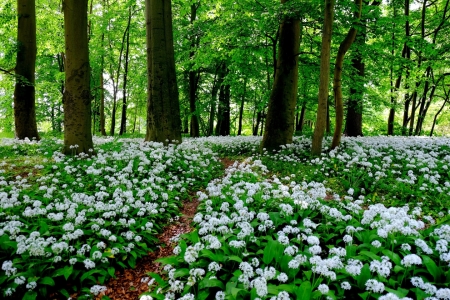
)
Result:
{"points": [[97, 289], [374, 286], [411, 259], [323, 288]]}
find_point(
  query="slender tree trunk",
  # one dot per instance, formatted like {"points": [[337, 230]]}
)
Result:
{"points": [[439, 111], [24, 91], [241, 109], [77, 95], [163, 108], [408, 57], [301, 120], [337, 83], [212, 110], [123, 120], [279, 127], [319, 128], [194, 77]]}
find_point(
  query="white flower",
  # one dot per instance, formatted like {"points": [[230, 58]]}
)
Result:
{"points": [[376, 244], [375, 286], [443, 293], [97, 289], [411, 259], [220, 295], [406, 247], [31, 285], [345, 285], [282, 277], [323, 288], [89, 264], [260, 283], [347, 239]]}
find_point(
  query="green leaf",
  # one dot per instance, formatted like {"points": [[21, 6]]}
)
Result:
{"points": [[401, 293], [363, 277], [212, 256], [208, 283], [67, 271], [65, 293], [171, 260], [235, 258], [157, 278], [304, 291], [181, 272], [420, 295], [47, 281], [392, 256], [271, 251], [111, 271], [30, 295], [89, 273], [370, 255], [364, 295], [431, 267]]}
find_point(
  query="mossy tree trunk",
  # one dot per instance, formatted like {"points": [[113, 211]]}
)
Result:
{"points": [[279, 127], [163, 108], [77, 95], [24, 91], [324, 79]]}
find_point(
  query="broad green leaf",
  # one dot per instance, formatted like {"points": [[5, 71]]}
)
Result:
{"points": [[67, 271], [111, 271], [370, 255], [208, 283], [364, 276], [235, 258], [47, 281], [431, 267], [364, 295], [30, 295], [181, 272], [304, 291], [420, 294], [401, 293], [392, 256], [157, 278]]}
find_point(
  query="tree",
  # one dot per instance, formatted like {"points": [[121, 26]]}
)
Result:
{"points": [[337, 85], [283, 98], [77, 95], [319, 129], [163, 108], [24, 92]]}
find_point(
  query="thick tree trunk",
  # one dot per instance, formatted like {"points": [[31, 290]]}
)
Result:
{"points": [[24, 91], [77, 94], [337, 82], [279, 127], [241, 108], [353, 123], [223, 115], [163, 108], [123, 119], [319, 128]]}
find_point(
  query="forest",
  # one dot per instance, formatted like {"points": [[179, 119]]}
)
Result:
{"points": [[254, 149]]}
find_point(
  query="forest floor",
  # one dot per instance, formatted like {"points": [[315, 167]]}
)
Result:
{"points": [[214, 218]]}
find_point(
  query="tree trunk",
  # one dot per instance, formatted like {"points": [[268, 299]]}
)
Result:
{"points": [[24, 91], [408, 57], [337, 84], [279, 127], [241, 108], [223, 115], [319, 128], [212, 108], [439, 111], [123, 120], [163, 108], [77, 95], [301, 119], [194, 77]]}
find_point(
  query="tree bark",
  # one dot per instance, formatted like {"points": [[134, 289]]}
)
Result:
{"points": [[223, 115], [319, 128], [123, 120], [194, 77], [337, 84], [408, 57], [163, 108], [77, 95], [241, 108], [279, 127], [24, 91]]}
